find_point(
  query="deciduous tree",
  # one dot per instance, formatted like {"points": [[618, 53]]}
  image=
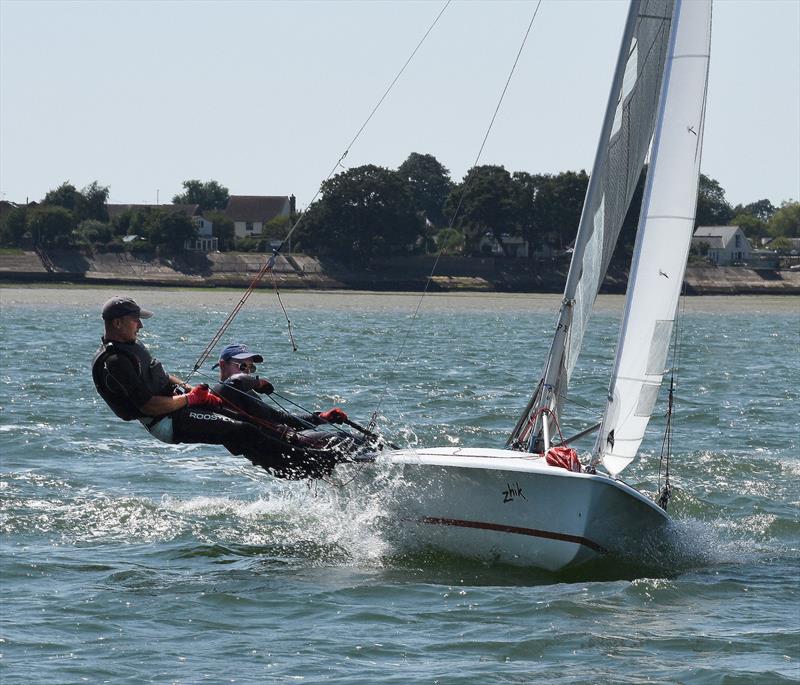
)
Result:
{"points": [[557, 206], [761, 209], [364, 212], [786, 221], [50, 226], [712, 207], [92, 202], [485, 203], [450, 241], [14, 227], [93, 231], [89, 203], [169, 229], [66, 196], [429, 183], [753, 227], [527, 190], [781, 245], [208, 194]]}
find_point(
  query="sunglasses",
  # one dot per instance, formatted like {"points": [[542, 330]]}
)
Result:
{"points": [[247, 367]]}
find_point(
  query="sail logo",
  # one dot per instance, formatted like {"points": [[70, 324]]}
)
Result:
{"points": [[512, 492]]}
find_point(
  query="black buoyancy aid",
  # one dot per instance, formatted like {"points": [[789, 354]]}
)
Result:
{"points": [[149, 369]]}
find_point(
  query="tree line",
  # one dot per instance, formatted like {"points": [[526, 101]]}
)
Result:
{"points": [[70, 218], [370, 211]]}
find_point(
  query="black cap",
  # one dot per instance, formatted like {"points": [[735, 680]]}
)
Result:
{"points": [[123, 306]]}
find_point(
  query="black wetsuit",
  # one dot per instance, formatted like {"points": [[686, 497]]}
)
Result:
{"points": [[319, 447], [240, 390], [126, 376]]}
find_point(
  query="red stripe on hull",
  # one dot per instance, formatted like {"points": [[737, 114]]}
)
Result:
{"points": [[533, 532]]}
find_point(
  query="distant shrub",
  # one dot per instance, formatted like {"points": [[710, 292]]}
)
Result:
{"points": [[140, 248], [254, 244]]}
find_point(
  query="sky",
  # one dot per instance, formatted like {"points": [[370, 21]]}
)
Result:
{"points": [[264, 97]]}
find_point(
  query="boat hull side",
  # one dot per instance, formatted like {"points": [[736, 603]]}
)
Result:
{"points": [[495, 505]]}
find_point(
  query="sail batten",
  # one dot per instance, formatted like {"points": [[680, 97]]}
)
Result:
{"points": [[662, 242]]}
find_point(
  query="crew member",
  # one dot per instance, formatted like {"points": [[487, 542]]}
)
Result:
{"points": [[239, 385], [136, 386]]}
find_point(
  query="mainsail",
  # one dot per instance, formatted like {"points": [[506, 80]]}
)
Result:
{"points": [[625, 138], [662, 242]]}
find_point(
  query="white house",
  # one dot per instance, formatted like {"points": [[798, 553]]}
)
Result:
{"points": [[725, 245], [205, 240], [250, 213]]}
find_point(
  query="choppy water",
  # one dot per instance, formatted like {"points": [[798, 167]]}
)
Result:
{"points": [[125, 560]]}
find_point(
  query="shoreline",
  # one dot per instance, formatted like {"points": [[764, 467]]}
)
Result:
{"points": [[224, 299], [698, 283]]}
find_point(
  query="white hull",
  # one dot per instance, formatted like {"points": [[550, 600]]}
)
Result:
{"points": [[508, 506]]}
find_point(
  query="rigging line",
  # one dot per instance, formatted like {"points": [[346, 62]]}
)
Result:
{"points": [[221, 331], [677, 349], [468, 180], [285, 313], [271, 261], [666, 448], [565, 398], [399, 74], [368, 119], [279, 405]]}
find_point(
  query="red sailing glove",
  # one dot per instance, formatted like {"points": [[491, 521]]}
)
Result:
{"points": [[199, 395], [334, 415], [264, 387]]}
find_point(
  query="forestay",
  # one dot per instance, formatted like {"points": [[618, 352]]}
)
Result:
{"points": [[624, 141], [662, 244]]}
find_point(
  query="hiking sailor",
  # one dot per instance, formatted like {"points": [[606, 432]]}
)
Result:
{"points": [[238, 385], [136, 386]]}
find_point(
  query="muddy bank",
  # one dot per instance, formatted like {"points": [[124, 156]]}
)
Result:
{"points": [[295, 271]]}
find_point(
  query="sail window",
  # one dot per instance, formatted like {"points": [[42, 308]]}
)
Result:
{"points": [[647, 399], [659, 345]]}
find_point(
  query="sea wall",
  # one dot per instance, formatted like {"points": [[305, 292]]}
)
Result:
{"points": [[737, 280], [237, 270]]}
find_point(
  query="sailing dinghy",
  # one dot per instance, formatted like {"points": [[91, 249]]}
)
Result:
{"points": [[533, 503]]}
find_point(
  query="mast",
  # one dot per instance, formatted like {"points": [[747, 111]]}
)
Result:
{"points": [[665, 231], [624, 139]]}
